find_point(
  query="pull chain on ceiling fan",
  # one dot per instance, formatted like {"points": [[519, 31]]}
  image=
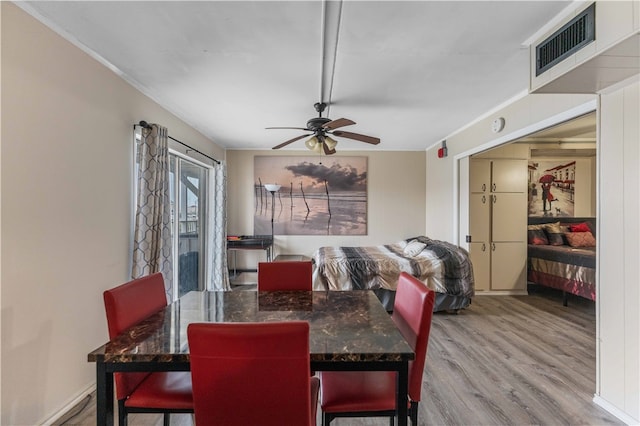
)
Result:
{"points": [[321, 127]]}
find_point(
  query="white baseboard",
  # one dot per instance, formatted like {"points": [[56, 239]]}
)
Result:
{"points": [[627, 419], [67, 407]]}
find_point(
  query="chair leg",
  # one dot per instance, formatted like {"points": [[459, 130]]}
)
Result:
{"points": [[122, 413], [392, 420], [167, 419], [413, 413], [326, 419]]}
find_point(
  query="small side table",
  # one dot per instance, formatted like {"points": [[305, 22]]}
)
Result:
{"points": [[291, 258], [249, 242]]}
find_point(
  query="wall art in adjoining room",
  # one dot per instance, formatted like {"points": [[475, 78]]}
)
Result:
{"points": [[317, 195], [552, 188]]}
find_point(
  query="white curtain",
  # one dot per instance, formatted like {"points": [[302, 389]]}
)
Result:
{"points": [[152, 233], [217, 270]]}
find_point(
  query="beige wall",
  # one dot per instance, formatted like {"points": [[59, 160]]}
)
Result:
{"points": [[618, 235], [66, 211], [585, 189], [396, 202]]}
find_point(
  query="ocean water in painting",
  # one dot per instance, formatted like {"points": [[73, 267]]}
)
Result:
{"points": [[339, 213]]}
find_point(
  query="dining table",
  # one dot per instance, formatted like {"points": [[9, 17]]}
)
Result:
{"points": [[348, 331]]}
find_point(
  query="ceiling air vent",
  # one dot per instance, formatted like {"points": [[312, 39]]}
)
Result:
{"points": [[572, 37]]}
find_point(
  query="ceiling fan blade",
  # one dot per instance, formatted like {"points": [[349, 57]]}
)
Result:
{"points": [[358, 137], [294, 128], [289, 141], [340, 122]]}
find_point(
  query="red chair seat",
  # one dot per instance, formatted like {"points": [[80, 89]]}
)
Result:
{"points": [[359, 391], [163, 390]]}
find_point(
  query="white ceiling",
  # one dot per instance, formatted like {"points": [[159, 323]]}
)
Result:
{"points": [[410, 73], [574, 138], [579, 130]]}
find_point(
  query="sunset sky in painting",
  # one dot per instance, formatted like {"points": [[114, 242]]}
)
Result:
{"points": [[342, 173]]}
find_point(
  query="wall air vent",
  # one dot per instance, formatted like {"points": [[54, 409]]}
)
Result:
{"points": [[572, 37]]}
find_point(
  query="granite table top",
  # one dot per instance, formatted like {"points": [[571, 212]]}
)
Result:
{"points": [[345, 326]]}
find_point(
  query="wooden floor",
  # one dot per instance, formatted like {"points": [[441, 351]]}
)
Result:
{"points": [[524, 360]]}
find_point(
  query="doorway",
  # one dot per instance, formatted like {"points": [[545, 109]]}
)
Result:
{"points": [[511, 171], [575, 188], [188, 192]]}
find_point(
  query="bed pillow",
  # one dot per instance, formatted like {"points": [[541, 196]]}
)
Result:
{"points": [[537, 237], [414, 248], [580, 227], [580, 239], [535, 227], [555, 234]]}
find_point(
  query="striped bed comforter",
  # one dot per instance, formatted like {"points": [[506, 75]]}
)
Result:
{"points": [[443, 267]]}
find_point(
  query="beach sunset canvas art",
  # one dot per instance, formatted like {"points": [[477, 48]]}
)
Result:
{"points": [[318, 195]]}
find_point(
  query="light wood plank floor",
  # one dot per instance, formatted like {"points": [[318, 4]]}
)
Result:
{"points": [[524, 360]]}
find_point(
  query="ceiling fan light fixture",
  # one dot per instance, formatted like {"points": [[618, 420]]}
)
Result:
{"points": [[331, 143], [313, 144]]}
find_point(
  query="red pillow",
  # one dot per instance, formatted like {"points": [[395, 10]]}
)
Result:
{"points": [[580, 227]]}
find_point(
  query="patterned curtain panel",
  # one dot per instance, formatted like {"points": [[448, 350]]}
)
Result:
{"points": [[152, 234], [217, 230]]}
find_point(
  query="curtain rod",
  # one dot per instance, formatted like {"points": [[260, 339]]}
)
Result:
{"points": [[146, 125]]}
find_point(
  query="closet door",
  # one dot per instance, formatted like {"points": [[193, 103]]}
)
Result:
{"points": [[508, 218], [508, 224], [479, 176], [508, 266], [480, 235], [480, 217], [480, 256], [498, 223], [509, 176]]}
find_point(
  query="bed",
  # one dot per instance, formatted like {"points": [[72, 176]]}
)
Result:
{"points": [[443, 267], [564, 265]]}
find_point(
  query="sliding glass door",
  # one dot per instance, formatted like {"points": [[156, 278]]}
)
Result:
{"points": [[188, 191], [188, 181]]}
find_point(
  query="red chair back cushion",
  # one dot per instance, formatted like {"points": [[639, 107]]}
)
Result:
{"points": [[250, 373], [127, 305], [284, 276], [412, 313]]}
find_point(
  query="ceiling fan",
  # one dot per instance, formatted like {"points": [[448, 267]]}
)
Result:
{"points": [[321, 128]]}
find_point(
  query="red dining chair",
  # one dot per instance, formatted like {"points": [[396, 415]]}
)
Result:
{"points": [[144, 392], [373, 393], [252, 374], [284, 276]]}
